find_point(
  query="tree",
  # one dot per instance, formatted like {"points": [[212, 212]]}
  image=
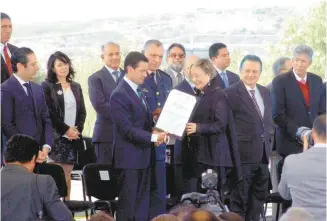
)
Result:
{"points": [[309, 29]]}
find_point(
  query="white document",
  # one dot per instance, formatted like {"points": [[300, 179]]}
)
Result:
{"points": [[104, 175], [176, 113]]}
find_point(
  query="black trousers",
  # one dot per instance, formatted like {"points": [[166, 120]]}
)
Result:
{"points": [[249, 195]]}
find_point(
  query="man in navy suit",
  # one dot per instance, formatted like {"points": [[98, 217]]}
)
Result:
{"points": [[133, 138], [250, 103], [296, 101], [156, 88], [101, 85], [23, 107], [220, 58]]}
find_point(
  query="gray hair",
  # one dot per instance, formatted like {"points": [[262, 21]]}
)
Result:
{"points": [[151, 42], [303, 49], [296, 214], [107, 44], [279, 64]]}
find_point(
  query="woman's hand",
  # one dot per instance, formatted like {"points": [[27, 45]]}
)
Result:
{"points": [[72, 133], [190, 128]]}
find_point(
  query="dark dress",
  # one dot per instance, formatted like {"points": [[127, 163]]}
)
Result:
{"points": [[64, 150]]}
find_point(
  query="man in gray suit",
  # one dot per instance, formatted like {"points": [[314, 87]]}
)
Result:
{"points": [[26, 196], [304, 174], [175, 59]]}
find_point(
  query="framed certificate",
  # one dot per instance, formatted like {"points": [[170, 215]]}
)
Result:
{"points": [[176, 113]]}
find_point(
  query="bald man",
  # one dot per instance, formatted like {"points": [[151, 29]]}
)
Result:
{"points": [[182, 185]]}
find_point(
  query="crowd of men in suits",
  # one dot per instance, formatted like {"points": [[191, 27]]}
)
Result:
{"points": [[127, 99]]}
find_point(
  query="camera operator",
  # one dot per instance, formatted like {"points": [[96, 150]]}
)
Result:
{"points": [[304, 175]]}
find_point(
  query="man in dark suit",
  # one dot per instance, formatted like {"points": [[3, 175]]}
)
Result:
{"points": [[175, 60], [25, 195], [156, 88], [133, 140], [296, 101], [101, 85], [6, 49], [250, 103], [220, 58], [282, 65], [23, 107]]}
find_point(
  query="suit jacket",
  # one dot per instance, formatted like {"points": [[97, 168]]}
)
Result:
{"points": [[4, 69], [232, 78], [18, 116], [101, 86], [252, 132], [19, 196], [290, 111], [132, 128], [304, 181], [174, 79], [213, 141]]}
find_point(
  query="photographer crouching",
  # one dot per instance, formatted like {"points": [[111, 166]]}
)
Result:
{"points": [[304, 174]]}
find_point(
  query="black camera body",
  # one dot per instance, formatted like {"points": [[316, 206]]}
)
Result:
{"points": [[211, 200], [304, 131]]}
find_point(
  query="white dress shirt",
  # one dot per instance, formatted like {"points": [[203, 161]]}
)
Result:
{"points": [[258, 97], [298, 77], [2, 52]]}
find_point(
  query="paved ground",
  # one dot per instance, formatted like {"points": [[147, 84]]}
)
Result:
{"points": [[77, 194]]}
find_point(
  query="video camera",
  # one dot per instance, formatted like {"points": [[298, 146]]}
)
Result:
{"points": [[304, 131], [211, 200]]}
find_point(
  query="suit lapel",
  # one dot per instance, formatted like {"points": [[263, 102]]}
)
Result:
{"points": [[265, 100], [134, 95], [311, 93], [60, 97], [296, 88], [150, 81], [33, 87], [19, 87], [247, 100], [220, 81], [108, 77], [77, 95]]}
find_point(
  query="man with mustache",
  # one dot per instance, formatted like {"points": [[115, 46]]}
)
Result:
{"points": [[175, 59]]}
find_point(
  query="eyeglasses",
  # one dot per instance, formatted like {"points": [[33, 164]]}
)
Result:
{"points": [[175, 55]]}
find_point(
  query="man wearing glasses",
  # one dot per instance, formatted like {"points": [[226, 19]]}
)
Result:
{"points": [[175, 60]]}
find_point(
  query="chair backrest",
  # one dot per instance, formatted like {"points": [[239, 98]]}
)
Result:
{"points": [[100, 181], [86, 154], [57, 174]]}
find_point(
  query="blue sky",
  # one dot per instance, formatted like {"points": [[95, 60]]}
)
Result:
{"points": [[28, 12]]}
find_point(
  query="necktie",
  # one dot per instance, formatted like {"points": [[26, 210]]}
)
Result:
{"points": [[302, 81], [153, 77], [225, 79], [7, 59], [255, 102], [139, 94], [116, 74], [28, 87], [180, 78]]}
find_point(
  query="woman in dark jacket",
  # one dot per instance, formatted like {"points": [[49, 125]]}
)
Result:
{"points": [[211, 133], [66, 106]]}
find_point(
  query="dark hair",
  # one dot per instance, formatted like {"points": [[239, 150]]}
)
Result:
{"points": [[21, 148], [190, 216], [279, 64], [133, 58], [214, 49], [251, 57], [230, 216], [176, 45], [51, 75], [4, 16], [101, 216], [20, 56], [319, 124]]}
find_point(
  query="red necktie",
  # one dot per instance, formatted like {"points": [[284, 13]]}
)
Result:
{"points": [[7, 59]]}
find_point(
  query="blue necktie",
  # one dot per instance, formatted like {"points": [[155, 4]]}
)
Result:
{"points": [[139, 94], [116, 74], [225, 79]]}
